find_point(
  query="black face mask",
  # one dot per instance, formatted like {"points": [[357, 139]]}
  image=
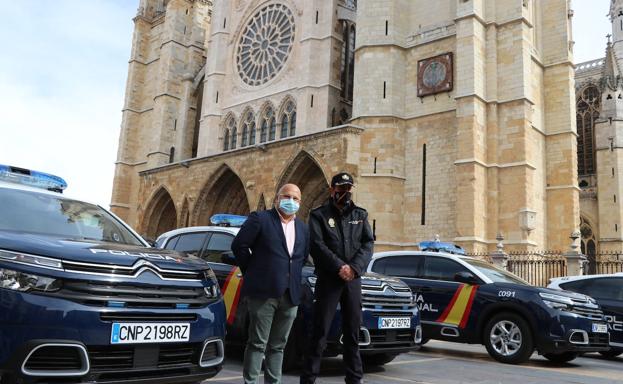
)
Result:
{"points": [[342, 198]]}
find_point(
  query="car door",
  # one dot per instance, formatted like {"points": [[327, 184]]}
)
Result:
{"points": [[608, 291], [449, 301], [218, 254]]}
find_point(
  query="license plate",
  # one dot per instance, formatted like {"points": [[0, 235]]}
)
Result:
{"points": [[394, 322], [600, 328], [135, 333]]}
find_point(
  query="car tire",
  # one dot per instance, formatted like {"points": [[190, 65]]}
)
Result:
{"points": [[561, 358], [611, 354], [377, 359], [508, 338]]}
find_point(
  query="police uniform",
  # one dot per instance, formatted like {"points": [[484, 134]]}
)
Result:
{"points": [[338, 237]]}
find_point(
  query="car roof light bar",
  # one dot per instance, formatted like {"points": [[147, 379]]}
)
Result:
{"points": [[32, 178], [227, 220], [439, 246]]}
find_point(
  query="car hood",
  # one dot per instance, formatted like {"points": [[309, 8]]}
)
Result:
{"points": [[570, 294], [96, 252]]}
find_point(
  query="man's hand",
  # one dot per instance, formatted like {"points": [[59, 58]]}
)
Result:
{"points": [[346, 273]]}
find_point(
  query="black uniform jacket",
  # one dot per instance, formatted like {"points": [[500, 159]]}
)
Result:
{"points": [[340, 237]]}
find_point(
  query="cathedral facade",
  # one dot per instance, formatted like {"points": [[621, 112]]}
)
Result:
{"points": [[456, 117], [599, 118]]}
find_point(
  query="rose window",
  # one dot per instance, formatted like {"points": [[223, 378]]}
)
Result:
{"points": [[265, 44]]}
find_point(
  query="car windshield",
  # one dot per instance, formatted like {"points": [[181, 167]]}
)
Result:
{"points": [[41, 213], [495, 274]]}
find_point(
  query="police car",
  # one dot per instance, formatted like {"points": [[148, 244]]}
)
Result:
{"points": [[391, 322], [466, 300], [608, 291], [84, 299]]}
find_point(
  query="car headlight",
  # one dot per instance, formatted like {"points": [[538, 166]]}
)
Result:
{"points": [[556, 301], [26, 282], [212, 291], [37, 261]]}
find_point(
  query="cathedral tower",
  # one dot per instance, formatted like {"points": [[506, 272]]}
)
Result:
{"points": [[157, 128]]}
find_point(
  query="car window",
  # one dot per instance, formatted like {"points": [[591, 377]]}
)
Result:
{"points": [[604, 288], [191, 243], [495, 274], [219, 244], [400, 266], [32, 212], [439, 268], [172, 243]]}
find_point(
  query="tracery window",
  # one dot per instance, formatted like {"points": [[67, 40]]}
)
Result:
{"points": [[234, 134], [587, 107], [268, 125], [229, 134], [347, 63], [248, 129], [265, 44], [288, 120]]}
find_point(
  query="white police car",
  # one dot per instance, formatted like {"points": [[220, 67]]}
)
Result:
{"points": [[608, 291]]}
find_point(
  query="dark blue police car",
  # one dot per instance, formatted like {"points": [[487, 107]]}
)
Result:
{"points": [[466, 300], [608, 291], [390, 317], [84, 299]]}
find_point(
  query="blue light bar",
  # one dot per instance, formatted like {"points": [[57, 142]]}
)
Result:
{"points": [[32, 178], [227, 220], [182, 306], [439, 246]]}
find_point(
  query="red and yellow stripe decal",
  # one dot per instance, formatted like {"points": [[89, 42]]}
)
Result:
{"points": [[457, 312], [231, 294]]}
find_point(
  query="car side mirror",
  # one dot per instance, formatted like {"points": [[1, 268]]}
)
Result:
{"points": [[466, 278], [228, 258]]}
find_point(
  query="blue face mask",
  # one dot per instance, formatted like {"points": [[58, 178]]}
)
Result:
{"points": [[289, 206]]}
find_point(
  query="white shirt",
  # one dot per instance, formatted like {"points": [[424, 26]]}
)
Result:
{"points": [[289, 232]]}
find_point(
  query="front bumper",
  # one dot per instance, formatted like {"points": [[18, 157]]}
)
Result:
{"points": [[82, 333], [373, 340], [572, 333]]}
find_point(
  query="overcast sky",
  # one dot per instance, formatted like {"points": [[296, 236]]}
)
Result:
{"points": [[63, 67]]}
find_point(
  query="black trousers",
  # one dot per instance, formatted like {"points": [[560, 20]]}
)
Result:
{"points": [[328, 292]]}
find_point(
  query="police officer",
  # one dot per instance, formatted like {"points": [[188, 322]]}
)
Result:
{"points": [[341, 246]]}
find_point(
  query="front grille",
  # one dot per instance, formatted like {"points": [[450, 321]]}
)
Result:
{"points": [[174, 354], [133, 271], [129, 316], [391, 338], [132, 296], [590, 313], [55, 358], [391, 301], [115, 357], [111, 357], [596, 339]]}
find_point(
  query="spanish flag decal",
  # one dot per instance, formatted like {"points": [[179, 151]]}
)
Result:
{"points": [[457, 312], [231, 293]]}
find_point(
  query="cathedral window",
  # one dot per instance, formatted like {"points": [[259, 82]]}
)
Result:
{"points": [[288, 120], [588, 107], [265, 44], [226, 140], [268, 125], [230, 136], [347, 63], [248, 129]]}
